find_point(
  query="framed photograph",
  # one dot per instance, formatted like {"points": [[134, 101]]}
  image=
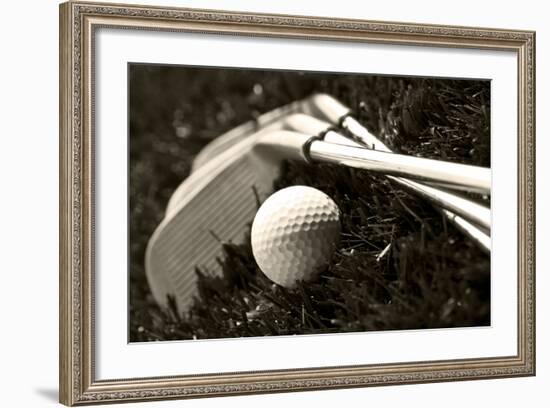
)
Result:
{"points": [[256, 203]]}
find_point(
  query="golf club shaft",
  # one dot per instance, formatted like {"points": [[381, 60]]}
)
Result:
{"points": [[362, 136], [455, 176], [472, 211], [480, 238]]}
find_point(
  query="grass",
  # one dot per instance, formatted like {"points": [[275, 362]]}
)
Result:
{"points": [[432, 276]]}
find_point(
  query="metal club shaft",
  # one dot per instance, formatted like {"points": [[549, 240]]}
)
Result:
{"points": [[456, 176]]}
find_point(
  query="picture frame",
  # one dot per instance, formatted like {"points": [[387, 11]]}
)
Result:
{"points": [[79, 24]]}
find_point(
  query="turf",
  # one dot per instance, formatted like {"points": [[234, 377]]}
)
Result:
{"points": [[430, 276]]}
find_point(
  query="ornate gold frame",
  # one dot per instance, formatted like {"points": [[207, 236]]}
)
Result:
{"points": [[77, 24]]}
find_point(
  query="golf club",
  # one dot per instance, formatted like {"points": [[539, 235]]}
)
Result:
{"points": [[329, 108], [189, 239], [441, 173], [459, 205], [459, 210]]}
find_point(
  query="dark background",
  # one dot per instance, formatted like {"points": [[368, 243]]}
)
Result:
{"points": [[432, 277]]}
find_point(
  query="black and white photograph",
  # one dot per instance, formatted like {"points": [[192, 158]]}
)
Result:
{"points": [[272, 200], [277, 203]]}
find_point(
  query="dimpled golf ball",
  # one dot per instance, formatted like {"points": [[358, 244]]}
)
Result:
{"points": [[294, 234]]}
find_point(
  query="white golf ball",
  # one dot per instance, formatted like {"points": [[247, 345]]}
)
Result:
{"points": [[294, 234]]}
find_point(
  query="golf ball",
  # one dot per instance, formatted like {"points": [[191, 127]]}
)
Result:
{"points": [[294, 234]]}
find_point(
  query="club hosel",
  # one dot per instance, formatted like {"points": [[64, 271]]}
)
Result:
{"points": [[286, 144], [330, 108], [300, 122], [339, 114], [336, 138], [361, 135]]}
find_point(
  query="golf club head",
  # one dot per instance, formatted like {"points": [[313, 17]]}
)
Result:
{"points": [[240, 132], [316, 106], [288, 117], [215, 204]]}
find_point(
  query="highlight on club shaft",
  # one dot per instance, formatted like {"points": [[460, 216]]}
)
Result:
{"points": [[455, 176]]}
